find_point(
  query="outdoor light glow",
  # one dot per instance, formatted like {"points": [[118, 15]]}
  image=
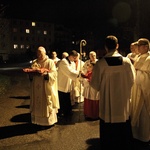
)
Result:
{"points": [[18, 66]]}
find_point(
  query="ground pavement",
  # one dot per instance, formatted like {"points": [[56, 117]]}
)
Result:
{"points": [[17, 132]]}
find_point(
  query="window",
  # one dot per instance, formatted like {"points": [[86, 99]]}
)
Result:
{"points": [[45, 32], [22, 46], [33, 24], [15, 46], [27, 46], [27, 31]]}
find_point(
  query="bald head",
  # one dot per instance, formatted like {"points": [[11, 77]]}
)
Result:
{"points": [[65, 54], [41, 49], [41, 53]]}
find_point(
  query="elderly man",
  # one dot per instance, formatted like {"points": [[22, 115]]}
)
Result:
{"points": [[92, 59], [44, 93]]}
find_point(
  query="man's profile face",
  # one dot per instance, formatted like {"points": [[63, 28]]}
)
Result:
{"points": [[93, 56], [73, 58], [40, 54]]}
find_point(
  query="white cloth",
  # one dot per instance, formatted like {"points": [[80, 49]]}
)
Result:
{"points": [[114, 84], [89, 92], [140, 104], [44, 103], [66, 73], [87, 62], [77, 87], [133, 57]]}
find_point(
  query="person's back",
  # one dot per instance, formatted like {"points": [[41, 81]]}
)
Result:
{"points": [[113, 76], [64, 55], [115, 85]]}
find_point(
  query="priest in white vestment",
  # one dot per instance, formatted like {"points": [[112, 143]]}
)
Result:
{"points": [[44, 92], [140, 104], [113, 75], [66, 74]]}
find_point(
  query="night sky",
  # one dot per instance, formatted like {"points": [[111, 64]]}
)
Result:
{"points": [[75, 13], [80, 14], [99, 16]]}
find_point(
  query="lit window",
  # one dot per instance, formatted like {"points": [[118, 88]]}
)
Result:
{"points": [[27, 46], [33, 23], [15, 46], [27, 31], [22, 46], [45, 32]]}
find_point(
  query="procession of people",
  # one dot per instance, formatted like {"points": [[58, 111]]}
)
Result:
{"points": [[113, 90]]}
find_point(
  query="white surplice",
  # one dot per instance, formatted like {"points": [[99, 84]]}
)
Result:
{"points": [[66, 73], [140, 104], [114, 102]]}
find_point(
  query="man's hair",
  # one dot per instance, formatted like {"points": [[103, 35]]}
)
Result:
{"points": [[143, 41], [134, 43], [111, 42], [73, 53], [92, 52]]}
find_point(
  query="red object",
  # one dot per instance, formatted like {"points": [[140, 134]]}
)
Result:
{"points": [[91, 108], [30, 70]]}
